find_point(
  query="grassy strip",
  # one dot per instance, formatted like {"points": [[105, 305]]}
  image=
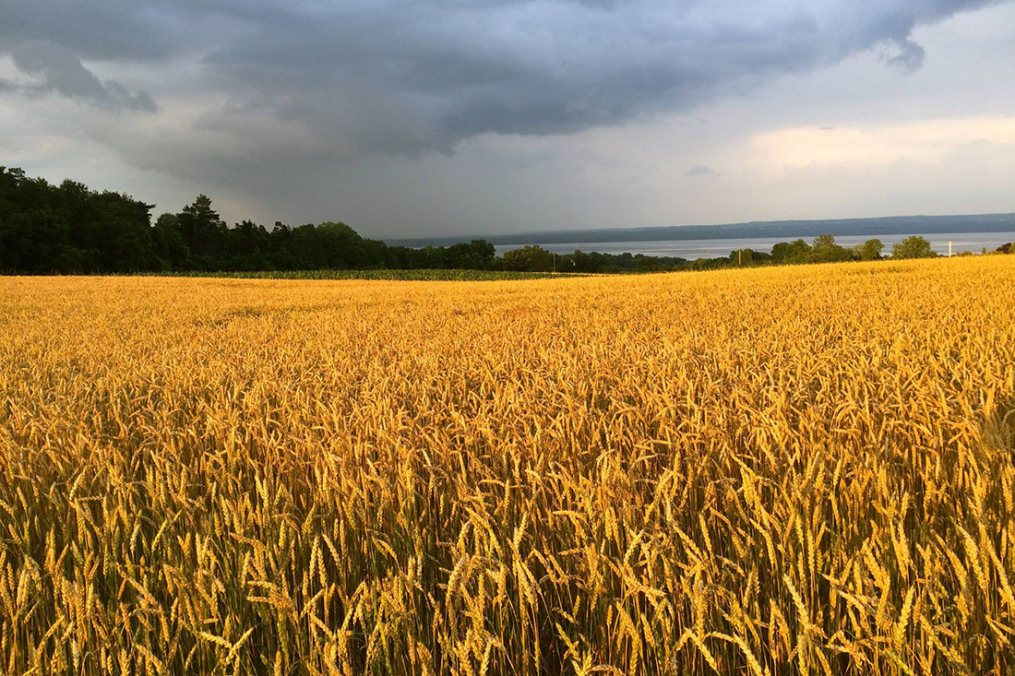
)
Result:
{"points": [[399, 275]]}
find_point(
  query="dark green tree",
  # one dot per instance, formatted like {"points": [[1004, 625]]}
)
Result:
{"points": [[248, 247], [530, 258], [823, 241], [913, 247], [475, 255], [796, 251], [204, 233], [69, 228], [171, 250], [825, 250], [870, 250]]}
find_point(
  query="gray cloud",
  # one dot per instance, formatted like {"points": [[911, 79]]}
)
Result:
{"points": [[409, 77], [399, 114], [701, 171], [61, 71], [99, 29], [906, 55]]}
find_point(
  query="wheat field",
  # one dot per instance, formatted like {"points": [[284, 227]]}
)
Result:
{"points": [[769, 471]]}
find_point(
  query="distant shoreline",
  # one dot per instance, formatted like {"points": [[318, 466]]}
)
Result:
{"points": [[893, 225], [691, 249]]}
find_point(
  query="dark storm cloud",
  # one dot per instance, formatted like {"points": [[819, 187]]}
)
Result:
{"points": [[408, 77], [61, 71], [97, 29]]}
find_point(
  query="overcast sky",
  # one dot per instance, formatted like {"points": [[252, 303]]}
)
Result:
{"points": [[446, 117]]}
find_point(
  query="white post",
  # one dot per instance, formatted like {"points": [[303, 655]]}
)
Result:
{"points": [[949, 248]]}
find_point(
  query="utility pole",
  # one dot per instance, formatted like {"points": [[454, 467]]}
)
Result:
{"points": [[554, 256], [740, 258]]}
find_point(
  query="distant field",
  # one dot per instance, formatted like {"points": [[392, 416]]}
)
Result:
{"points": [[401, 275], [800, 469]]}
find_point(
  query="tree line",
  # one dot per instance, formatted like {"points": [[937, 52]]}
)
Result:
{"points": [[70, 229]]}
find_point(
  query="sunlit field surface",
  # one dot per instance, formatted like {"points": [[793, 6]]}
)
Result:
{"points": [[745, 472]]}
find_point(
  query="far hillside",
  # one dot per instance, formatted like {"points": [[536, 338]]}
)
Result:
{"points": [[841, 227]]}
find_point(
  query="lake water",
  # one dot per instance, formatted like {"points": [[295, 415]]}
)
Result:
{"points": [[715, 248]]}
